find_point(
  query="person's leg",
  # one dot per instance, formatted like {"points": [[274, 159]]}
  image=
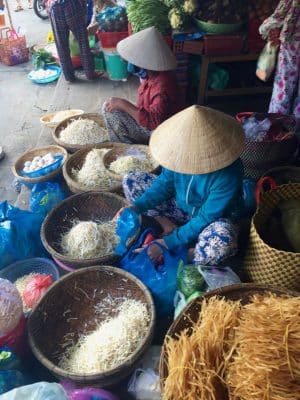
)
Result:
{"points": [[61, 36], [76, 17], [136, 183], [216, 242], [19, 6], [286, 79], [121, 127]]}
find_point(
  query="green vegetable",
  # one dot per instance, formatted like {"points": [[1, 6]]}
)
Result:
{"points": [[189, 280], [145, 13], [41, 57]]}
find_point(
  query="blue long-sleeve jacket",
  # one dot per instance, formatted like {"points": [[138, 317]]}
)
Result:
{"points": [[205, 197]]}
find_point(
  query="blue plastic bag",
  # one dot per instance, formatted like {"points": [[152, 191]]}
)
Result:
{"points": [[10, 380], [19, 234], [160, 280], [37, 391], [128, 225], [44, 196]]}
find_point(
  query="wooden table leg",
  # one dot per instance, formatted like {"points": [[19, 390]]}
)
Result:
{"points": [[203, 80]]}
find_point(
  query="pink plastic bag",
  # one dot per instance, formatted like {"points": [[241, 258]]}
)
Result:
{"points": [[35, 289]]}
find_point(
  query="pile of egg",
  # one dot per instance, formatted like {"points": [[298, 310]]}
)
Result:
{"points": [[39, 162]]}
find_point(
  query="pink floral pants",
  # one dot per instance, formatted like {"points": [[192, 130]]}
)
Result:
{"points": [[286, 91]]}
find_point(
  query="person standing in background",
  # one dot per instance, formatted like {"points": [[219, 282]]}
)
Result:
{"points": [[19, 5], [66, 16], [282, 28]]}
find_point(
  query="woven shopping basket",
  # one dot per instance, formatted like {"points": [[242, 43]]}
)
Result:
{"points": [[13, 49], [264, 264]]}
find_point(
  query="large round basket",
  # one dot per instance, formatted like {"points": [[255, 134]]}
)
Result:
{"points": [[30, 154], [126, 150], [74, 147], [47, 119], [75, 162], [69, 307], [88, 206], [191, 312]]}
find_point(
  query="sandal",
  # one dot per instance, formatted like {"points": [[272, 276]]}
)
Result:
{"points": [[19, 8]]}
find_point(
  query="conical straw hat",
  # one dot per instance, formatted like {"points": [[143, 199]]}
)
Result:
{"points": [[147, 49], [197, 140]]}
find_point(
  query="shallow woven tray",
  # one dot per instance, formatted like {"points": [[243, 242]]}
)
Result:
{"points": [[47, 118], [30, 154], [47, 325], [88, 206], [76, 160], [74, 147], [191, 312], [117, 152]]}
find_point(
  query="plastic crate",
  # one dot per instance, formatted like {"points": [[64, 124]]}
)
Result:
{"points": [[110, 40], [223, 45]]}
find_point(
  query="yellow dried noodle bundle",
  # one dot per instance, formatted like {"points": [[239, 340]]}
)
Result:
{"points": [[197, 363], [266, 365]]}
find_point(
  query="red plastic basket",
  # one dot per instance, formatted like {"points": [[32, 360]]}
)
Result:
{"points": [[110, 39], [223, 45]]}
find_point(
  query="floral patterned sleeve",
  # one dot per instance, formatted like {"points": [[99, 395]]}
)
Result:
{"points": [[276, 20]]}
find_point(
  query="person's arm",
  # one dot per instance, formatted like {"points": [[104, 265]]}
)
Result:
{"points": [[276, 20], [161, 189], [115, 103], [222, 193]]}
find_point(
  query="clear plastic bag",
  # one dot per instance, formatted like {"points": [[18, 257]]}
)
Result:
{"points": [[216, 277], [37, 391], [144, 385], [10, 380], [11, 307]]}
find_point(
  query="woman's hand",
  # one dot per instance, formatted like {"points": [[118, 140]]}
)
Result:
{"points": [[274, 36], [113, 104], [154, 252]]}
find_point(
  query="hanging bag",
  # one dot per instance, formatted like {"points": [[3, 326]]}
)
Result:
{"points": [[263, 263], [160, 279], [266, 62]]}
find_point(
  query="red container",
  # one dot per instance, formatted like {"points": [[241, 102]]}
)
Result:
{"points": [[223, 45], [110, 39], [255, 41], [16, 339]]}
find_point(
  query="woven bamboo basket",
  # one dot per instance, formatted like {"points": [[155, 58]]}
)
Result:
{"points": [[190, 314], [29, 155], [47, 119], [88, 206], [263, 263], [47, 326], [75, 162], [126, 150], [74, 147]]}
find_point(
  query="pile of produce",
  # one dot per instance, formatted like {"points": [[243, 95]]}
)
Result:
{"points": [[111, 343], [261, 9], [83, 131], [113, 19], [143, 14], [32, 287], [180, 13], [222, 11], [88, 239], [93, 172], [41, 58], [39, 162], [125, 164], [239, 352]]}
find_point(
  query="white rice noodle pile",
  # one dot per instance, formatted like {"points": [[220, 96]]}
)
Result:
{"points": [[111, 343], [123, 165], [83, 131], [88, 239], [93, 172]]}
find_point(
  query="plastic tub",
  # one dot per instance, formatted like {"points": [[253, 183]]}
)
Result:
{"points": [[46, 170], [116, 67], [110, 39], [50, 78], [31, 265]]}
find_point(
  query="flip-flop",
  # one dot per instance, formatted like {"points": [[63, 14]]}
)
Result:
{"points": [[19, 9]]}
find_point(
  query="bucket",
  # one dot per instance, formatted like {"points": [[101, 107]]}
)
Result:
{"points": [[116, 67]]}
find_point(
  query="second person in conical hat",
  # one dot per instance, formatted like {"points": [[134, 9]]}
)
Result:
{"points": [[151, 59], [197, 198]]}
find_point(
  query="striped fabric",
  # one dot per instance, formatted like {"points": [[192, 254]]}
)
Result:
{"points": [[66, 16]]}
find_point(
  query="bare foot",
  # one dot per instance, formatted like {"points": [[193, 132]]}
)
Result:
{"points": [[167, 225]]}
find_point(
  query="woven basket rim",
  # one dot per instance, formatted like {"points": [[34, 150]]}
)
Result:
{"points": [[217, 292], [73, 147], [267, 194], [55, 148], [66, 259], [47, 118], [72, 183], [132, 358], [119, 151]]}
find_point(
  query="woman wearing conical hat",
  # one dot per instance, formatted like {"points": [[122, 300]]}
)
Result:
{"points": [[197, 198], [151, 59]]}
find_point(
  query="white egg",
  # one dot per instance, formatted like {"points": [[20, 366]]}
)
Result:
{"points": [[37, 158], [26, 169], [27, 164]]}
